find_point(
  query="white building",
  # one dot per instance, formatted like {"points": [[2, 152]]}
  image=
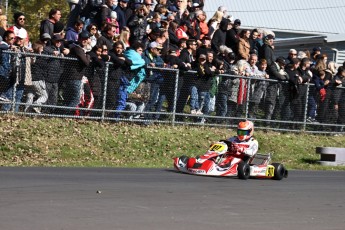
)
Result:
{"points": [[297, 24]]}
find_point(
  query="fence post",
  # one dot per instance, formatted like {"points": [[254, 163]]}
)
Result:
{"points": [[175, 97], [106, 75], [306, 108], [247, 98]]}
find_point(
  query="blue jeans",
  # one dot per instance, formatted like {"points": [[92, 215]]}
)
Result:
{"points": [[222, 104], [18, 97], [204, 102], [72, 93], [122, 95], [194, 98], [154, 95], [311, 106]]}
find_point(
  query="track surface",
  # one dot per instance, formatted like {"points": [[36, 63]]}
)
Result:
{"points": [[67, 198]]}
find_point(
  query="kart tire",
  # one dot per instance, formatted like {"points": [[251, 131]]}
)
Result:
{"points": [[243, 170], [279, 171]]}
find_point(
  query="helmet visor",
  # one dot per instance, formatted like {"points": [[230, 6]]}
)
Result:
{"points": [[243, 132]]}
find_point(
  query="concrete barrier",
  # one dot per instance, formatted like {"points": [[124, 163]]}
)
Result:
{"points": [[331, 156]]}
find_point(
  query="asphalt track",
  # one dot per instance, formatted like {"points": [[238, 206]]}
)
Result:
{"points": [[118, 198]]}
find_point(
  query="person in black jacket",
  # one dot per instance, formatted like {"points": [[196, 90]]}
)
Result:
{"points": [[54, 71], [186, 80], [96, 73], [73, 76], [276, 72], [219, 36], [300, 100], [232, 35], [119, 78]]}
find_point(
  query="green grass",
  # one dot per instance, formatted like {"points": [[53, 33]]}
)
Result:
{"points": [[62, 142]]}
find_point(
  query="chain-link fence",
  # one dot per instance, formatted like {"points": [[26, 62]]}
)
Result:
{"points": [[45, 85]]}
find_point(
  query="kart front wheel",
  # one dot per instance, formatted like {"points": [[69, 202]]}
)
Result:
{"points": [[279, 171], [243, 170]]}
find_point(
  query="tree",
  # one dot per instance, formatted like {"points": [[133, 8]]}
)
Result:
{"points": [[35, 11]]}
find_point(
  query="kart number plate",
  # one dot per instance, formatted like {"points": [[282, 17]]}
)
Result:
{"points": [[270, 171], [218, 147]]}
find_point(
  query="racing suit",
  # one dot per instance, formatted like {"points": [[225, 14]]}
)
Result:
{"points": [[248, 147]]}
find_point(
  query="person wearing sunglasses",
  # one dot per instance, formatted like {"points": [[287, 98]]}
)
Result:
{"points": [[18, 27], [5, 66]]}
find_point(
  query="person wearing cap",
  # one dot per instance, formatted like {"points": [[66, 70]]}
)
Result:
{"points": [[18, 27], [47, 25], [45, 38], [74, 74], [113, 20], [276, 72], [152, 57], [232, 36]]}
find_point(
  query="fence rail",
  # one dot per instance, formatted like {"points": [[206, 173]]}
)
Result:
{"points": [[41, 85]]}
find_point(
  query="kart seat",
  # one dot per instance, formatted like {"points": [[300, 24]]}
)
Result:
{"points": [[259, 159]]}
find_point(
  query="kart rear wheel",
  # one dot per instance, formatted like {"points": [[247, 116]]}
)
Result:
{"points": [[243, 170], [279, 171]]}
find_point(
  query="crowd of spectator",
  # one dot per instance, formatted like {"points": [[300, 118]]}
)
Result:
{"points": [[169, 34]]}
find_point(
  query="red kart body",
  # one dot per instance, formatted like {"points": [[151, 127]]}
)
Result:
{"points": [[218, 161]]}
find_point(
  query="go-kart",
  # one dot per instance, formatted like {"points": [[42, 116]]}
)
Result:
{"points": [[219, 161]]}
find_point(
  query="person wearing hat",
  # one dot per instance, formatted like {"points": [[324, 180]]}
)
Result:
{"points": [[45, 38], [152, 57], [232, 36], [18, 27], [74, 74]]}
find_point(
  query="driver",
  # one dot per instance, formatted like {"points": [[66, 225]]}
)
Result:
{"points": [[244, 142]]}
